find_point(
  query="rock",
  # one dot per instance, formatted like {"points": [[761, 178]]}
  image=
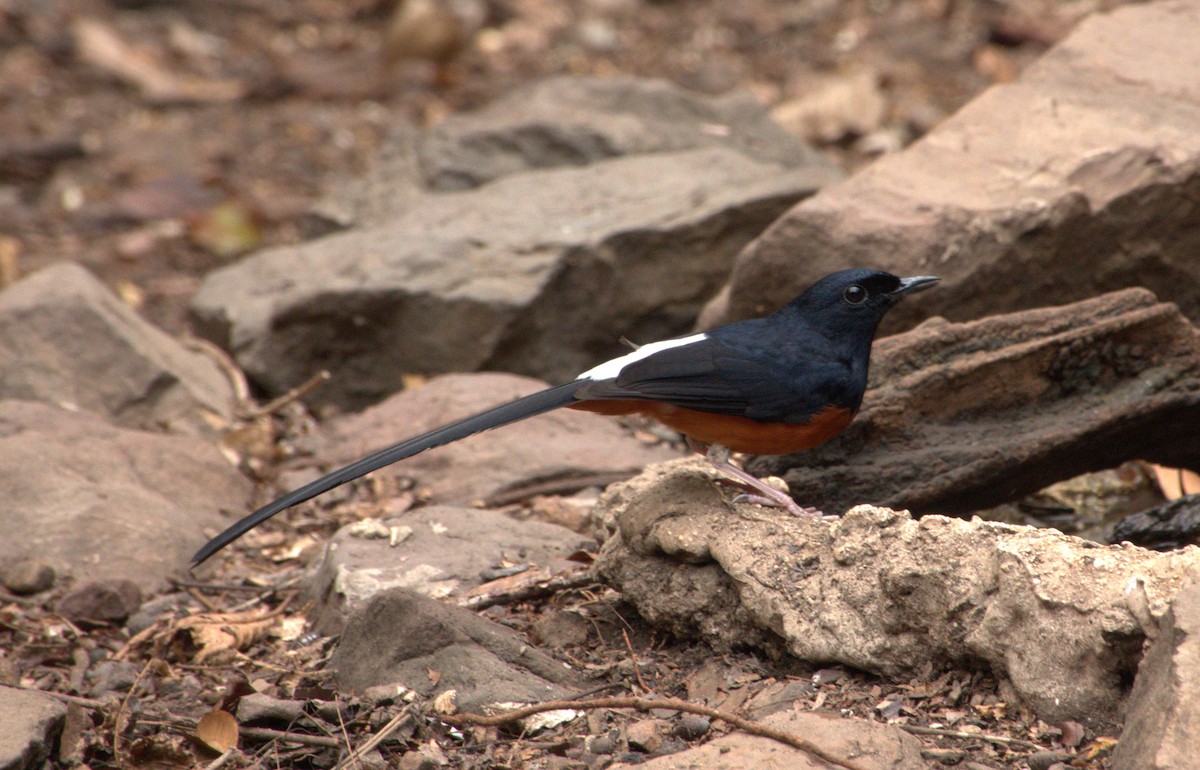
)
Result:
{"points": [[433, 648], [1164, 707], [259, 708], [561, 445], [538, 274], [66, 339], [86, 497], [563, 121], [1169, 525], [692, 727], [962, 417], [1077, 179], [885, 593], [870, 745], [557, 629], [27, 576], [446, 553], [113, 676], [645, 735], [29, 726], [101, 601]]}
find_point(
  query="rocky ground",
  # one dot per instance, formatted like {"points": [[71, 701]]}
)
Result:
{"points": [[205, 208]]}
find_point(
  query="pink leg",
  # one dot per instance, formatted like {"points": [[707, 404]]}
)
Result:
{"points": [[759, 492]]}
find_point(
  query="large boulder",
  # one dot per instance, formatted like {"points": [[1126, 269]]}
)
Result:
{"points": [[96, 501], [555, 122], [66, 339], [1079, 178], [883, 592], [538, 273]]}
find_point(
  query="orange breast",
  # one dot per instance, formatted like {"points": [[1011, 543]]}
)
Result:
{"points": [[741, 434]]}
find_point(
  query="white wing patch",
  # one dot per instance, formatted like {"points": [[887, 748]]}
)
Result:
{"points": [[610, 369]]}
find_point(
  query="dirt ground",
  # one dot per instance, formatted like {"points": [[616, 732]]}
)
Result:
{"points": [[154, 141]]}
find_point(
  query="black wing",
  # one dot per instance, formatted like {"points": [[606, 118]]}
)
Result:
{"points": [[736, 376]]}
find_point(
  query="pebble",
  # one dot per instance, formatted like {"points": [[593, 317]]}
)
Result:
{"points": [[26, 576]]}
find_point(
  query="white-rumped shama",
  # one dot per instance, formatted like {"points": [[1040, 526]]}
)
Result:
{"points": [[772, 385]]}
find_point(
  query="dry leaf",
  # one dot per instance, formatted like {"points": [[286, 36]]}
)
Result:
{"points": [[444, 702], [218, 730], [1175, 482], [212, 633]]}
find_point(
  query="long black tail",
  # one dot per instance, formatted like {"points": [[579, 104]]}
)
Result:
{"points": [[533, 404]]}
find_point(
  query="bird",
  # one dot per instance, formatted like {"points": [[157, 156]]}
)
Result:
{"points": [[779, 384]]}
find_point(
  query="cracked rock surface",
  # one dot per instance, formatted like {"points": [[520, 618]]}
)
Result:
{"points": [[965, 416], [883, 592]]}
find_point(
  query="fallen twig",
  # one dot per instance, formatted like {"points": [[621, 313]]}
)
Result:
{"points": [[1017, 742], [647, 704], [528, 592], [222, 760], [295, 394], [267, 734], [398, 721]]}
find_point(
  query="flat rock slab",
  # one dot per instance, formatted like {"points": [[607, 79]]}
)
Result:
{"points": [[963, 417], [29, 726], [557, 122], [1164, 708], [560, 445], [66, 339], [95, 501], [538, 273], [1079, 178], [885, 593], [404, 638], [870, 745], [436, 551]]}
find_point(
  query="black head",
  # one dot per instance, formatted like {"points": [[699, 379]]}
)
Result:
{"points": [[853, 302]]}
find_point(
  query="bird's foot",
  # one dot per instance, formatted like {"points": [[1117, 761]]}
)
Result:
{"points": [[786, 502]]}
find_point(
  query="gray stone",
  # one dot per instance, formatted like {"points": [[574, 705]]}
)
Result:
{"points": [[1079, 178], [1163, 713], [100, 601], [963, 417], [885, 593], [561, 445], [66, 339], [562, 121], [433, 648], [96, 501], [259, 708], [27, 576], [537, 274], [444, 551], [29, 725]]}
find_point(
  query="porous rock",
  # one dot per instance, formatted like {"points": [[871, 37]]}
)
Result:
{"points": [[562, 121], [538, 273], [29, 725], [438, 551], [870, 745], [86, 497], [432, 648], [558, 446], [885, 593], [66, 339], [1079, 178], [1164, 707], [961, 417]]}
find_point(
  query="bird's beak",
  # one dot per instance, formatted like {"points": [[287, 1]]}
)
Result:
{"points": [[915, 284]]}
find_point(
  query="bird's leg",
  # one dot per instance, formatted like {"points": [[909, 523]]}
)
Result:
{"points": [[761, 493]]}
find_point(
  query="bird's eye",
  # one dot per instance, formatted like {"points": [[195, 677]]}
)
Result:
{"points": [[854, 294]]}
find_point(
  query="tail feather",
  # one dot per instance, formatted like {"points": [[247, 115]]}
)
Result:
{"points": [[533, 404]]}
